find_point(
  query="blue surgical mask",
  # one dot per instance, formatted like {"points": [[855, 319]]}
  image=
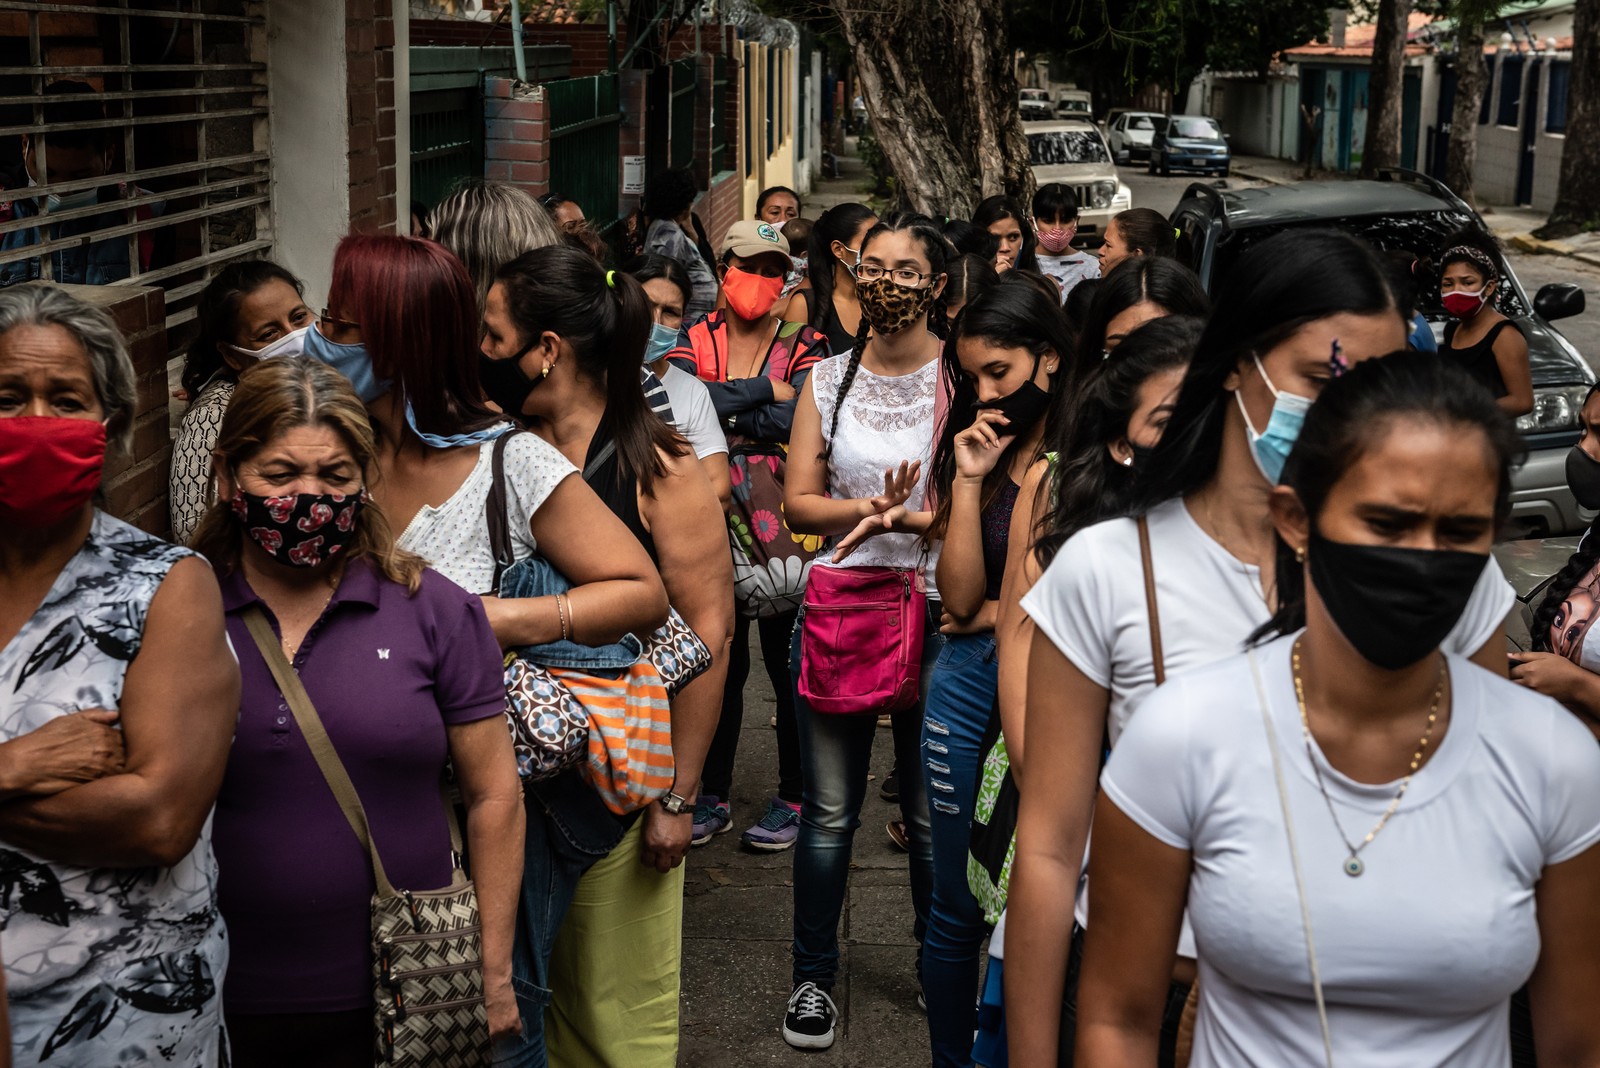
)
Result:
{"points": [[452, 441], [83, 198], [663, 339], [1270, 448], [352, 361]]}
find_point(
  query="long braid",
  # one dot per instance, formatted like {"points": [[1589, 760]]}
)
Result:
{"points": [[852, 365], [1560, 588]]}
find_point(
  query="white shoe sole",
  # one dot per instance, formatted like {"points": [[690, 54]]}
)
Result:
{"points": [[724, 829], [799, 1041], [767, 847]]}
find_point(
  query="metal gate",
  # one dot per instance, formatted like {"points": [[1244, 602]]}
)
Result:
{"points": [[584, 161], [179, 98]]}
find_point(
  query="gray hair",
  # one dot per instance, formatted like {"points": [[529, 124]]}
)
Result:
{"points": [[91, 327], [489, 224]]}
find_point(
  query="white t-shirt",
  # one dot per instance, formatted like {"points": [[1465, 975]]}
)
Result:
{"points": [[1419, 955], [1090, 603], [454, 537], [1069, 270], [692, 412]]}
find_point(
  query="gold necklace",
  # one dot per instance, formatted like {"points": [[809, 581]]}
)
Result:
{"points": [[1352, 863]]}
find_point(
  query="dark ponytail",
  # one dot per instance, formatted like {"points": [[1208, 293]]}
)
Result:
{"points": [[1367, 402], [839, 223], [606, 317], [1088, 486], [937, 250]]}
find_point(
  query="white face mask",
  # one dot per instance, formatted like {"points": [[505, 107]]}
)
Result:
{"points": [[291, 344]]}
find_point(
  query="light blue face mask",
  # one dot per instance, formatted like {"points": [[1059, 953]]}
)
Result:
{"points": [[452, 441], [352, 361], [1270, 448], [83, 198], [663, 340]]}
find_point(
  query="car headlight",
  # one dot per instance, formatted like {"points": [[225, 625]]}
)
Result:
{"points": [[1102, 194], [1555, 408]]}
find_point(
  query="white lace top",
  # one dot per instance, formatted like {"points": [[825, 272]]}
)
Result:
{"points": [[883, 421]]}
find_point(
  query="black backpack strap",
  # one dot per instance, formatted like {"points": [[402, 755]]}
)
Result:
{"points": [[494, 508]]}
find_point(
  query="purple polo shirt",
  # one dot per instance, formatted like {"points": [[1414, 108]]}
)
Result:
{"points": [[387, 674]]}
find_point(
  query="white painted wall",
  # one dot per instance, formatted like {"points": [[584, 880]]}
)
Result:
{"points": [[310, 136]]}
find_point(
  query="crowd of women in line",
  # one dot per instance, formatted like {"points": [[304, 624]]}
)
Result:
{"points": [[959, 475]]}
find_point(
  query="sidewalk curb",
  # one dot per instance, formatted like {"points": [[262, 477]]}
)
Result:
{"points": [[1540, 247], [1256, 176]]}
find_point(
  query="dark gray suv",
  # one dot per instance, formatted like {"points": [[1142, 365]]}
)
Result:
{"points": [[1407, 210]]}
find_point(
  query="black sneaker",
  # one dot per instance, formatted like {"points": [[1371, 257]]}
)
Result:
{"points": [[890, 791], [809, 1022]]}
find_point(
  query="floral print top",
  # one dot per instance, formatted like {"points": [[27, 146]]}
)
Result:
{"points": [[104, 966]]}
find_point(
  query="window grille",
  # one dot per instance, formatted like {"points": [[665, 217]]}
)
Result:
{"points": [[183, 85]]}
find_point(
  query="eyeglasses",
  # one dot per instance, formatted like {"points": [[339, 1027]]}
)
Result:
{"points": [[328, 317], [902, 276]]}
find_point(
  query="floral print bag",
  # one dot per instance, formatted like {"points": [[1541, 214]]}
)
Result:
{"points": [[770, 561]]}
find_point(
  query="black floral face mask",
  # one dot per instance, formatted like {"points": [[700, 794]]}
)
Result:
{"points": [[300, 529]]}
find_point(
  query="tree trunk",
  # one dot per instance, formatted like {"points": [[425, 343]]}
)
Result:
{"points": [[1578, 196], [1384, 89], [940, 83], [1472, 79]]}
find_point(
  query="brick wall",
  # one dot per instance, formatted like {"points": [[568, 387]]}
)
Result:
{"points": [[369, 55], [516, 145], [135, 485], [591, 50]]}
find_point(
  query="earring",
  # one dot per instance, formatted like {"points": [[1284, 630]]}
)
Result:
{"points": [[1127, 461], [546, 372], [1300, 554]]}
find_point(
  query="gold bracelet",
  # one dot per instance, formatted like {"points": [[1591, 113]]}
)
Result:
{"points": [[561, 613], [572, 616]]}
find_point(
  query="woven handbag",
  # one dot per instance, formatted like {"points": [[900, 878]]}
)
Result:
{"points": [[428, 1009]]}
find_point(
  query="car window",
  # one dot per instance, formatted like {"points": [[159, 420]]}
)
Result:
{"points": [[1141, 122], [1420, 233], [1193, 128], [1066, 146], [1035, 94]]}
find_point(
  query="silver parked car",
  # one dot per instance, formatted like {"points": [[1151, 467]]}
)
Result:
{"points": [[1130, 133]]}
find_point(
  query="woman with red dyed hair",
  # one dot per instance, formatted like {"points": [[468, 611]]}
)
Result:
{"points": [[402, 324]]}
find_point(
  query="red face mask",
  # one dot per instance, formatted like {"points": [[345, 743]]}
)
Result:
{"points": [[751, 296], [49, 467], [1462, 305]]}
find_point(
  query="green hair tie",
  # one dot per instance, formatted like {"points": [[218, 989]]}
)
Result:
{"points": [[611, 279]]}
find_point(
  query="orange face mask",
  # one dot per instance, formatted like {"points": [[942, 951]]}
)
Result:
{"points": [[750, 296]]}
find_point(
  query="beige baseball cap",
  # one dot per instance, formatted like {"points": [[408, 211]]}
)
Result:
{"points": [[752, 237]]}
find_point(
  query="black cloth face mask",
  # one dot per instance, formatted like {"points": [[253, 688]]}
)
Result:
{"points": [[1394, 605], [505, 383], [1583, 478], [1022, 407]]}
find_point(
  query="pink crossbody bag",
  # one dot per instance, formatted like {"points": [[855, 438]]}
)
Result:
{"points": [[861, 640]]}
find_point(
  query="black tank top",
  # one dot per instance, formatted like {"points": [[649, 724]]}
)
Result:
{"points": [[1479, 359], [603, 471], [840, 340]]}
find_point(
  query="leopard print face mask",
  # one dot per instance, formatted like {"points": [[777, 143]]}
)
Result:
{"points": [[890, 307]]}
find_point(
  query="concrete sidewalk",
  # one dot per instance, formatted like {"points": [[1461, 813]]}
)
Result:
{"points": [[738, 924], [1513, 226]]}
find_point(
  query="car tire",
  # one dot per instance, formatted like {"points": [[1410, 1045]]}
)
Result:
{"points": [[1227, 172]]}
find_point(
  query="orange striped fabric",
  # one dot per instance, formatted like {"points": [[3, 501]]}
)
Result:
{"points": [[630, 735]]}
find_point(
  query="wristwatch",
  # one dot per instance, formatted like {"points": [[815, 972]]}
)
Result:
{"points": [[674, 803]]}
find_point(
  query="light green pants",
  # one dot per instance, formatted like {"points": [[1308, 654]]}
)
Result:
{"points": [[614, 969]]}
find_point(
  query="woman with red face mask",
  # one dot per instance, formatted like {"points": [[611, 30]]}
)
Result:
{"points": [[753, 361], [1477, 336], [119, 708]]}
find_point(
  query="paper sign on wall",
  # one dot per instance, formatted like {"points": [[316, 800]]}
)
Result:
{"points": [[632, 176]]}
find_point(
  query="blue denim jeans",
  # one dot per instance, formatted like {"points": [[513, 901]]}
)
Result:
{"points": [[835, 752], [568, 830], [537, 577], [961, 698]]}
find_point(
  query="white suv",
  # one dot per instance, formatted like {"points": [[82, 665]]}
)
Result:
{"points": [[1074, 153], [1130, 134]]}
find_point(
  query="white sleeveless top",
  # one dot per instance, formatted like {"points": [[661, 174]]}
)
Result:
{"points": [[883, 421]]}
